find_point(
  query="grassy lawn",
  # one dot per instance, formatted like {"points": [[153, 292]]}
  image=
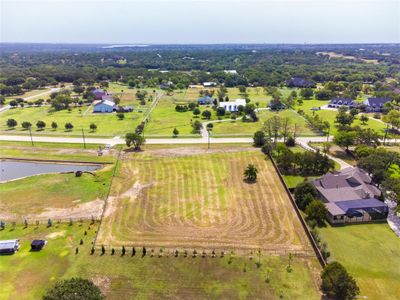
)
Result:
{"points": [[254, 94], [47, 145], [107, 124], [371, 253], [23, 275], [239, 127], [165, 118]]}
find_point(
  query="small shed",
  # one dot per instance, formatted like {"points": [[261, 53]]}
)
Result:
{"points": [[38, 245], [9, 246]]}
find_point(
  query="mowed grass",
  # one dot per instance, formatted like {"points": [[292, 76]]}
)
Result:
{"points": [[371, 253], [255, 94], [165, 118], [26, 275], [189, 197], [107, 124], [330, 116], [239, 127]]}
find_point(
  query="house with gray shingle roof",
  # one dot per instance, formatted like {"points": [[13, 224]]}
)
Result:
{"points": [[350, 197], [375, 104]]}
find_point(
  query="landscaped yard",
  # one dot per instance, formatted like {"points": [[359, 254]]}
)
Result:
{"points": [[371, 253], [23, 276], [108, 124]]}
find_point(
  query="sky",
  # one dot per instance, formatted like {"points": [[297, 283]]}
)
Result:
{"points": [[200, 21]]}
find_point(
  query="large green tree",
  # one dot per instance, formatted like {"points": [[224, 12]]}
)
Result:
{"points": [[337, 283], [135, 139]]}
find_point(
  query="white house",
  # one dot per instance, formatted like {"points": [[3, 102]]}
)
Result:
{"points": [[232, 106], [232, 72]]}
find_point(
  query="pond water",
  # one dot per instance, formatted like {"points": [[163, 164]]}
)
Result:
{"points": [[12, 169]]}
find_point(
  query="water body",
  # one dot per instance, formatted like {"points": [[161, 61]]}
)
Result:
{"points": [[11, 169]]}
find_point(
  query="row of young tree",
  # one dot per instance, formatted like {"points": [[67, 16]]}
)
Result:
{"points": [[41, 125]]}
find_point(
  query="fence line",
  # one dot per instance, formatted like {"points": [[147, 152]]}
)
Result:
{"points": [[44, 220], [108, 195], [314, 245]]}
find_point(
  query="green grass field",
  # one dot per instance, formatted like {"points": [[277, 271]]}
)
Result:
{"points": [[371, 253], [23, 275], [248, 128], [107, 124], [165, 118]]}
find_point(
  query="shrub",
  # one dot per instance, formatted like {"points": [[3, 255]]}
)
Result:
{"points": [[40, 124], [11, 123], [68, 126], [74, 288], [26, 125]]}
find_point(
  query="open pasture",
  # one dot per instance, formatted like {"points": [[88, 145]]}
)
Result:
{"points": [[238, 127], [193, 197], [81, 118]]}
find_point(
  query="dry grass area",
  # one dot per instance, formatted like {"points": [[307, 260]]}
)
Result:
{"points": [[196, 198]]}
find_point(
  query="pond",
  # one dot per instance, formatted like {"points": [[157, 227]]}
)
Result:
{"points": [[13, 169]]}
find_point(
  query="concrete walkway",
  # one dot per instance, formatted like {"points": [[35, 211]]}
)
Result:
{"points": [[392, 219]]}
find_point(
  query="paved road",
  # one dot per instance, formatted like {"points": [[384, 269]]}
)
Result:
{"points": [[119, 140], [7, 107]]}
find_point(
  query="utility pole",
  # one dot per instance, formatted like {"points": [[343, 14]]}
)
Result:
{"points": [[30, 133], [83, 137], [208, 131]]}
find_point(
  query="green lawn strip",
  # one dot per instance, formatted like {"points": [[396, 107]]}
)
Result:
{"points": [[371, 253], [61, 154], [50, 145], [27, 275]]}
